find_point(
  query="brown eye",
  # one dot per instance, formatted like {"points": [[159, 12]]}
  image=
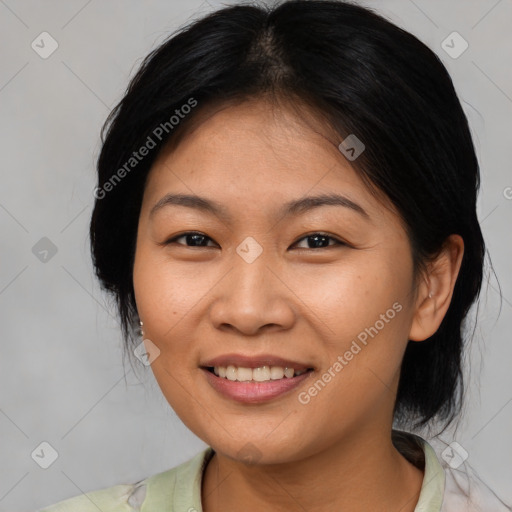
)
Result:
{"points": [[192, 239], [319, 241]]}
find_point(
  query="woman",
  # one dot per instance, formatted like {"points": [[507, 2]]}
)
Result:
{"points": [[286, 205]]}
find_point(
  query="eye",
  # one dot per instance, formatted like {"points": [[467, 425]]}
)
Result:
{"points": [[192, 239], [319, 241], [197, 239]]}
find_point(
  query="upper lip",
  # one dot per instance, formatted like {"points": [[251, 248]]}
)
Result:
{"points": [[254, 361]]}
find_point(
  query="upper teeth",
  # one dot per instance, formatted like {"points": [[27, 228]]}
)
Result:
{"points": [[260, 374]]}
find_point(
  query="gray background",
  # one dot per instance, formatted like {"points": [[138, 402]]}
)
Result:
{"points": [[62, 375]]}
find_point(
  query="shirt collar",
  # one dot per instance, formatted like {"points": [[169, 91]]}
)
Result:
{"points": [[183, 492], [432, 489]]}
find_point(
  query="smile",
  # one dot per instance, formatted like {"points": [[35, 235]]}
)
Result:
{"points": [[253, 391]]}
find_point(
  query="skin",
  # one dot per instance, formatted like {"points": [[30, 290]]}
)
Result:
{"points": [[294, 301]]}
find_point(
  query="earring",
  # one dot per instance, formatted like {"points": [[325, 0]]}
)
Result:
{"points": [[141, 331], [429, 295]]}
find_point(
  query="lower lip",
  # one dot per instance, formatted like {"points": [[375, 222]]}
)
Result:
{"points": [[254, 392]]}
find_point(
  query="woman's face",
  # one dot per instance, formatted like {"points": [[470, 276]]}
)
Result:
{"points": [[257, 288]]}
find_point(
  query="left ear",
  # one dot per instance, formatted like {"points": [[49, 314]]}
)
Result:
{"points": [[436, 289]]}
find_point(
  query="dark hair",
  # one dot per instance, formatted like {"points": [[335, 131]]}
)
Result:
{"points": [[361, 74]]}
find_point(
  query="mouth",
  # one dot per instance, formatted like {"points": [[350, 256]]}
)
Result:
{"points": [[254, 380]]}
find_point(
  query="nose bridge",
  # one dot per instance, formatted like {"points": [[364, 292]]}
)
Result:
{"points": [[251, 275], [252, 296]]}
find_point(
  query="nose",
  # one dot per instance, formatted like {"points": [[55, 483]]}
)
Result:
{"points": [[253, 298]]}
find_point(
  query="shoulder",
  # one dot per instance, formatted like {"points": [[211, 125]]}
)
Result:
{"points": [[450, 483], [464, 489], [110, 499], [157, 491]]}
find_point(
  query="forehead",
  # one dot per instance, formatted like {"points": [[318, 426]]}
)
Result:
{"points": [[255, 153]]}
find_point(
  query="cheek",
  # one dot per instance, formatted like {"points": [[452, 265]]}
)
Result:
{"points": [[164, 292], [366, 315], [164, 295], [368, 319], [353, 295]]}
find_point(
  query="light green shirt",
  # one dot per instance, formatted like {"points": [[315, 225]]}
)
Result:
{"points": [[179, 490]]}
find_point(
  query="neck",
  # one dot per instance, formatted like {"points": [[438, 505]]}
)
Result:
{"points": [[363, 472]]}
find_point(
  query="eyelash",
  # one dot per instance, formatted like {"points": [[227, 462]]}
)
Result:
{"points": [[310, 235]]}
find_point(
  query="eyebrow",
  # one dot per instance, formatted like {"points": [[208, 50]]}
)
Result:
{"points": [[294, 207]]}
